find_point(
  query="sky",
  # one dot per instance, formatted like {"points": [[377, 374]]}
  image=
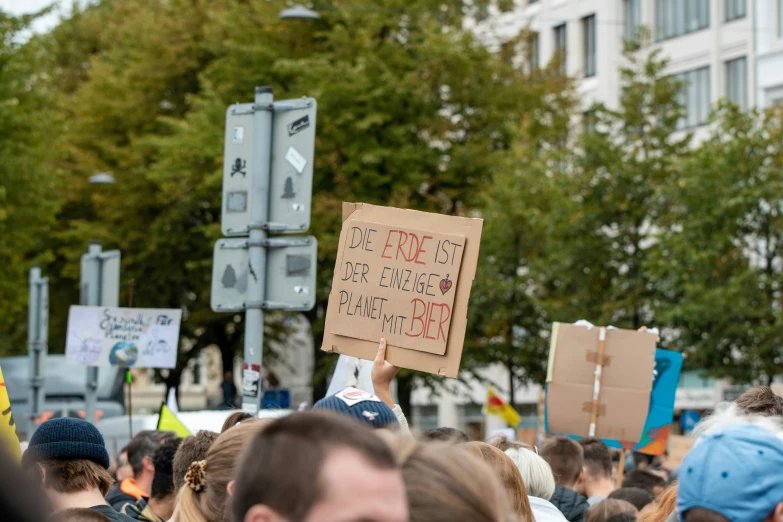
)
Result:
{"points": [[19, 7]]}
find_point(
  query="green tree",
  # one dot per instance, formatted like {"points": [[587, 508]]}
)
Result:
{"points": [[606, 231], [507, 322], [721, 253], [28, 189]]}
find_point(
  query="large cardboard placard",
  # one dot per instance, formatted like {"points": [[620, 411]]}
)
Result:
{"points": [[129, 337], [405, 276], [626, 381]]}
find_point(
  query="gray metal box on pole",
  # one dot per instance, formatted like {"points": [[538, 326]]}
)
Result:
{"points": [[37, 343]]}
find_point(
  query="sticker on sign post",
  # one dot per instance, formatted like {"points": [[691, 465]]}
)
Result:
{"points": [[295, 159]]}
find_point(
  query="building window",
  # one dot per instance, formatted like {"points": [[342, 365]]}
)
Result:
{"points": [[695, 97], [632, 19], [677, 17], [561, 43], [471, 421], [588, 33], [425, 417], [532, 59], [735, 9], [737, 82]]}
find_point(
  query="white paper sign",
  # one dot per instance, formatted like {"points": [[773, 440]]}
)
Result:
{"points": [[129, 337], [351, 372]]}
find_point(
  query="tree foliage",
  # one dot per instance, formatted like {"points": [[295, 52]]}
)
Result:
{"points": [[624, 222]]}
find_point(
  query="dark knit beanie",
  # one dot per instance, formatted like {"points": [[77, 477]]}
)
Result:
{"points": [[360, 405], [66, 439]]}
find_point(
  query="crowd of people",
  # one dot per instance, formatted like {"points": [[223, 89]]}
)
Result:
{"points": [[353, 459]]}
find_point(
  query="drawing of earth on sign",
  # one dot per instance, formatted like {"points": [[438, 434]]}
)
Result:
{"points": [[124, 354]]}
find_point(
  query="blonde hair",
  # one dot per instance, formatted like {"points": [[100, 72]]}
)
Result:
{"points": [[666, 506], [445, 483], [204, 497], [506, 469], [535, 471]]}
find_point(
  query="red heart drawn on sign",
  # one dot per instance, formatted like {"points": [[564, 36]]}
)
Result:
{"points": [[445, 284]]}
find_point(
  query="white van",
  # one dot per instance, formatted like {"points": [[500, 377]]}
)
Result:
{"points": [[117, 431]]}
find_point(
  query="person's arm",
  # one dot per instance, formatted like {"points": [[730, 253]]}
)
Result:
{"points": [[383, 373]]}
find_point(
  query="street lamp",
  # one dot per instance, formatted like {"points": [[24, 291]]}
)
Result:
{"points": [[299, 12], [102, 178]]}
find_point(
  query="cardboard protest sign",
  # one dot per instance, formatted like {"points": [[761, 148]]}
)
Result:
{"points": [[620, 373], [129, 337], [405, 276]]}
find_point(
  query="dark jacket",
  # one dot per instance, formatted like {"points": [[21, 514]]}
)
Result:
{"points": [[125, 492], [571, 504], [111, 514]]}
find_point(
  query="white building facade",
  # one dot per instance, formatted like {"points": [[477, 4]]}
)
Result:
{"points": [[722, 49]]}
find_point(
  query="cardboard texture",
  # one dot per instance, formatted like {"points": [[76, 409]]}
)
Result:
{"points": [[626, 381], [406, 276], [396, 282]]}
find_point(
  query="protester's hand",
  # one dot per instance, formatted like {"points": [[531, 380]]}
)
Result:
{"points": [[382, 374]]}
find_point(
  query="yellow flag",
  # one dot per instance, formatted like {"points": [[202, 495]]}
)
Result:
{"points": [[168, 421], [497, 406], [8, 437]]}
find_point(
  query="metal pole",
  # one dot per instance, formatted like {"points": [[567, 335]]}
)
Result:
{"points": [[252, 382], [37, 339], [93, 295]]}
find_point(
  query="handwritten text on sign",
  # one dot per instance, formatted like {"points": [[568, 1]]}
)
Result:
{"points": [[129, 337], [397, 283]]}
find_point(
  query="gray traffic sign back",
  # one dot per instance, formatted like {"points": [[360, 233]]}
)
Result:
{"points": [[290, 274], [293, 151], [237, 164]]}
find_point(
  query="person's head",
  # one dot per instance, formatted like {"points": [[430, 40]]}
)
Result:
{"points": [[728, 414], [234, 419], [597, 463], [444, 483], [318, 466], [622, 517], [163, 495], [228, 375], [77, 515], [535, 471], [645, 479], [667, 505], [733, 473], [68, 456], [640, 498], [205, 496], [451, 435], [192, 449], [604, 510], [566, 458], [509, 475], [360, 405], [761, 400], [140, 451], [20, 498], [124, 469]]}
